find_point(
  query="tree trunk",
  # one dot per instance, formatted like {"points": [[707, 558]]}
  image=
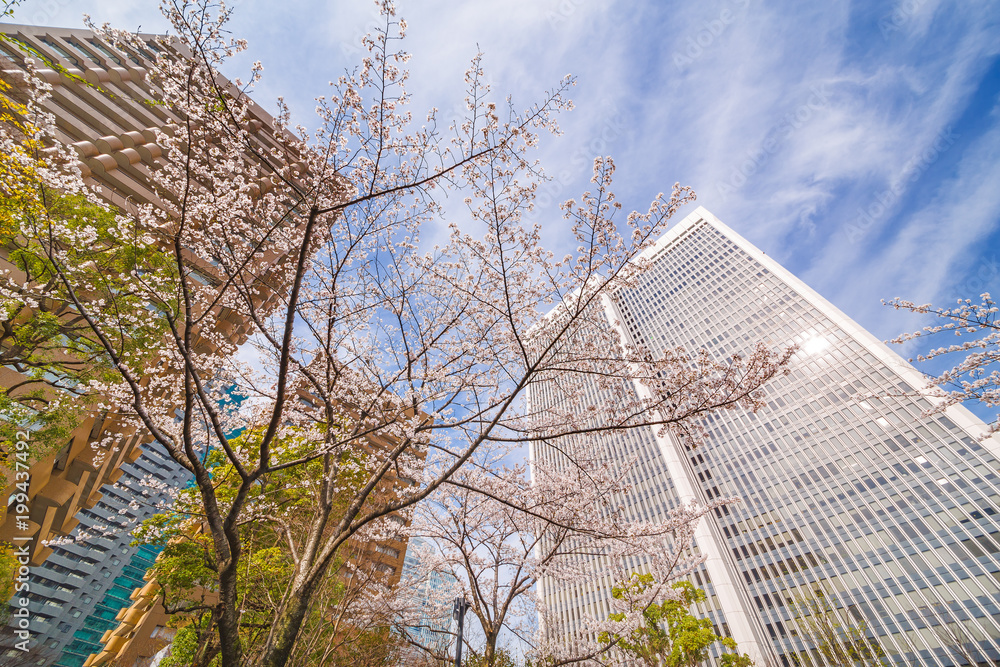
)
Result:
{"points": [[286, 626], [231, 646], [207, 651], [490, 651]]}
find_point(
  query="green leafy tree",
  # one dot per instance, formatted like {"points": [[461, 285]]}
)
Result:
{"points": [[669, 634], [335, 632], [189, 647], [8, 573], [43, 336], [841, 643], [7, 7], [501, 658], [376, 647]]}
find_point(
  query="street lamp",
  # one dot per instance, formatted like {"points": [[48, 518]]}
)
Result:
{"points": [[461, 606]]}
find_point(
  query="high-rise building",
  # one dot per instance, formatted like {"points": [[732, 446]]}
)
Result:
{"points": [[855, 506], [431, 626], [79, 590]]}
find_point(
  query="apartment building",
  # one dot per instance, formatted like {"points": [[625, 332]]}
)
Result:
{"points": [[84, 589]]}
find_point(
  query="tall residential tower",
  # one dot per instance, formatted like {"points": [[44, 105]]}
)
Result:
{"points": [[851, 498]]}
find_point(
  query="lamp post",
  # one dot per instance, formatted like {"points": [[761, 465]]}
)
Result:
{"points": [[461, 606]]}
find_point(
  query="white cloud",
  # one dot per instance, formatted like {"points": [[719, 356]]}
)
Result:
{"points": [[832, 101], [932, 250]]}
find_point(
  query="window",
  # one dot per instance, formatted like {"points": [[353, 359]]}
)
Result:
{"points": [[388, 551], [111, 56], [61, 51], [90, 56]]}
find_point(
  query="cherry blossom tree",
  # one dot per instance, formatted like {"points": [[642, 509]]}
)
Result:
{"points": [[976, 374], [292, 266], [496, 533]]}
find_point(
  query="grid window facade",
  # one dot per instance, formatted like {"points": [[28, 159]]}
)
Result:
{"points": [[849, 493], [78, 590], [635, 456]]}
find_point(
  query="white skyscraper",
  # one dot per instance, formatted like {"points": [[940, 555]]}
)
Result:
{"points": [[849, 495]]}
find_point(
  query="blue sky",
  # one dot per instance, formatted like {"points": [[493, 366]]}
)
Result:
{"points": [[857, 143]]}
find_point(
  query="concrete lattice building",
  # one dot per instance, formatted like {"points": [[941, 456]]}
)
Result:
{"points": [[99, 113], [96, 98], [850, 495]]}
